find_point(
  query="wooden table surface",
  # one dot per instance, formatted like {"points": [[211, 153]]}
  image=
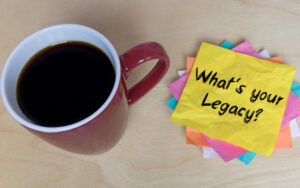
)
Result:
{"points": [[152, 152]]}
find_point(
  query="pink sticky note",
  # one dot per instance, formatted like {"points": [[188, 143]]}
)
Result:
{"points": [[292, 109], [226, 150], [177, 87], [246, 48]]}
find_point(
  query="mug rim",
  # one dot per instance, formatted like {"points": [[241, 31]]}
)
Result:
{"points": [[32, 125]]}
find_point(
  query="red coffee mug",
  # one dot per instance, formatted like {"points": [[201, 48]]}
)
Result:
{"points": [[100, 131]]}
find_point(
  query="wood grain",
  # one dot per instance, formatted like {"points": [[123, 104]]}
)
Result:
{"points": [[152, 153]]}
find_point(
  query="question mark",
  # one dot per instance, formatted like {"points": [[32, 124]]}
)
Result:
{"points": [[259, 111]]}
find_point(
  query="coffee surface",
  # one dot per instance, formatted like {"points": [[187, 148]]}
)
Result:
{"points": [[65, 83]]}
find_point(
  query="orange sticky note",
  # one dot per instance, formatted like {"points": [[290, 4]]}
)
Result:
{"points": [[276, 59], [189, 64], [195, 138], [284, 139]]}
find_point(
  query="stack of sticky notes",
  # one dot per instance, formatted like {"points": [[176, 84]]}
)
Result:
{"points": [[236, 102]]}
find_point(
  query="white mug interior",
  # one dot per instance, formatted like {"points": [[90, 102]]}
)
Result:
{"points": [[38, 41]]}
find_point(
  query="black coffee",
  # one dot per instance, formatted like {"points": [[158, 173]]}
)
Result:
{"points": [[65, 83]]}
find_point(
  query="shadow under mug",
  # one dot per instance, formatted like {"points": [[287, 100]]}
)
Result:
{"points": [[101, 130]]}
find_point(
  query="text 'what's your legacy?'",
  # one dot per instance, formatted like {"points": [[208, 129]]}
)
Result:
{"points": [[211, 78]]}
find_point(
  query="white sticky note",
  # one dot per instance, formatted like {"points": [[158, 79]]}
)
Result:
{"points": [[181, 72], [209, 152], [264, 54], [294, 128]]}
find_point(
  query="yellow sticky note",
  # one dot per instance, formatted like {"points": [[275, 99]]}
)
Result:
{"points": [[236, 98]]}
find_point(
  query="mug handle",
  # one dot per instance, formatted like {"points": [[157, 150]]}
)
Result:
{"points": [[139, 55]]}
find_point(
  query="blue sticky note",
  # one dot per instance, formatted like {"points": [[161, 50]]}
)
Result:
{"points": [[227, 45], [296, 89], [247, 157], [172, 103]]}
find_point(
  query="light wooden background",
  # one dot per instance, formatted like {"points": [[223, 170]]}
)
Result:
{"points": [[152, 153]]}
